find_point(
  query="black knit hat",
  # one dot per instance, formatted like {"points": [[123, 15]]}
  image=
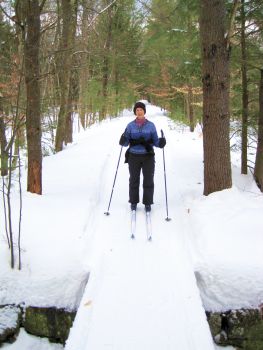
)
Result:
{"points": [[139, 105]]}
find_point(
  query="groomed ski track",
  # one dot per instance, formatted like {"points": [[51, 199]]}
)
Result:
{"points": [[141, 295]]}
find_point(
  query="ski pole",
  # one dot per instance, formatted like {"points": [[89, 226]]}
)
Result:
{"points": [[107, 212], [167, 217]]}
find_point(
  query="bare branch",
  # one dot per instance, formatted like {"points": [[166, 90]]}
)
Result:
{"points": [[12, 18], [42, 5], [99, 13], [49, 26], [232, 23]]}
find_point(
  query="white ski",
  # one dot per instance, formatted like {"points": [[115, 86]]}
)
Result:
{"points": [[133, 223], [148, 225]]}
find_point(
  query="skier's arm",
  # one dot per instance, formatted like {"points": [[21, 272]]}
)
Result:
{"points": [[124, 140], [154, 136]]}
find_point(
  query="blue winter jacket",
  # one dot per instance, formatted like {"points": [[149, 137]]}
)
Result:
{"points": [[135, 132]]}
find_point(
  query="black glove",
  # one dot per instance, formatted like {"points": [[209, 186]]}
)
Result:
{"points": [[139, 141], [122, 140], [162, 142]]}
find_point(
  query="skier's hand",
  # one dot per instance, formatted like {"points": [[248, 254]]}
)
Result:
{"points": [[139, 141], [162, 142], [122, 140]]}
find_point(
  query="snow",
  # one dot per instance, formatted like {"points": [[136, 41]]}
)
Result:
{"points": [[8, 318], [28, 342], [135, 294]]}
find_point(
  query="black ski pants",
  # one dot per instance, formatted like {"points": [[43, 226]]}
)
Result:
{"points": [[146, 163]]}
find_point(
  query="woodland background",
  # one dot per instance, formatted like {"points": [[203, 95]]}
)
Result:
{"points": [[201, 60], [68, 62]]}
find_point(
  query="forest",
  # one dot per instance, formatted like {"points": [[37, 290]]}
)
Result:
{"points": [[71, 72], [201, 60]]}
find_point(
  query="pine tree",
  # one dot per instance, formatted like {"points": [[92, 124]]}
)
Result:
{"points": [[171, 58], [215, 72]]}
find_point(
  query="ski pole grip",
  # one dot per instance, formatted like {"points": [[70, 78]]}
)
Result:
{"points": [[162, 133]]}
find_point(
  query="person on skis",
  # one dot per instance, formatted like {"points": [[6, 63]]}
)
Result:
{"points": [[141, 135]]}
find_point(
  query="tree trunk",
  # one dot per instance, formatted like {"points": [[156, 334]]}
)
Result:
{"points": [[190, 108], [106, 68], [4, 154], [258, 171], [33, 125], [3, 140], [19, 143], [84, 63], [215, 77], [244, 92], [72, 93], [63, 65]]}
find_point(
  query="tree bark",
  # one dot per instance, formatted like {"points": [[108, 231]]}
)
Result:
{"points": [[215, 78], [244, 92], [84, 63], [63, 65], [73, 81], [258, 171], [4, 154], [106, 67], [191, 109], [3, 140], [33, 125]]}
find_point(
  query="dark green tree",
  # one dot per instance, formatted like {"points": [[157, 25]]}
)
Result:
{"points": [[171, 58]]}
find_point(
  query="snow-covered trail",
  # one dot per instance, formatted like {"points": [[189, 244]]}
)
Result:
{"points": [[142, 295]]}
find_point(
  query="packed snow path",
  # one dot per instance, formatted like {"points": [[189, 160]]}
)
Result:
{"points": [[141, 295]]}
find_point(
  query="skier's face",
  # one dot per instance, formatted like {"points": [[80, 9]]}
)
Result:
{"points": [[139, 113]]}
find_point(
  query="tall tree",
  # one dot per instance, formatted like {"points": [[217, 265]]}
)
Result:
{"points": [[246, 61], [3, 141], [106, 60], [244, 135], [84, 59], [63, 67], [33, 125], [215, 77], [73, 81], [171, 58], [8, 88], [190, 109], [114, 57], [258, 171]]}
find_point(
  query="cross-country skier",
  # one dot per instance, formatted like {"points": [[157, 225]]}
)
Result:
{"points": [[141, 136]]}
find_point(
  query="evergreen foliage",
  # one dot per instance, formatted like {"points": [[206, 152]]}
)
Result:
{"points": [[172, 55], [123, 51]]}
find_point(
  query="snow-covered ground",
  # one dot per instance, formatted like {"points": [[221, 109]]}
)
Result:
{"points": [[141, 295]]}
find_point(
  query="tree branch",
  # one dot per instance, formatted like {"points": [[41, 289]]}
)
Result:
{"points": [[42, 5], [12, 18], [103, 10], [232, 23]]}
